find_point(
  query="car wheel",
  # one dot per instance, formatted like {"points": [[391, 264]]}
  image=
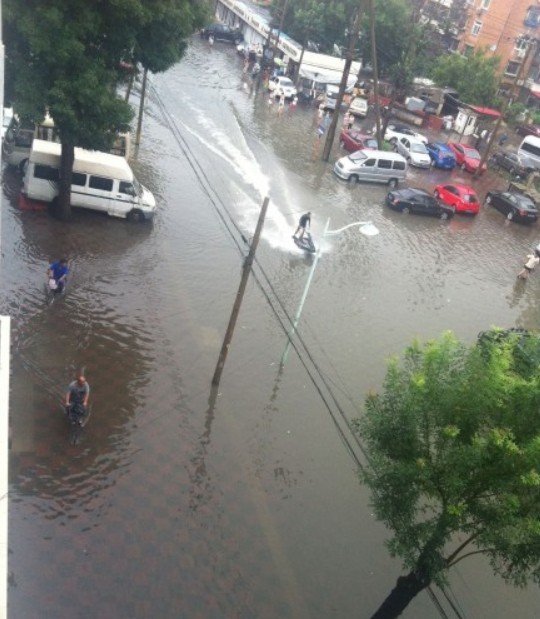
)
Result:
{"points": [[135, 215], [393, 141], [436, 194], [488, 200], [342, 144], [237, 41], [405, 210], [463, 167], [444, 215], [353, 178], [392, 183], [510, 216], [408, 160]]}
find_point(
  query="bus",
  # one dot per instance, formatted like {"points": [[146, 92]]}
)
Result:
{"points": [[17, 142], [530, 148]]}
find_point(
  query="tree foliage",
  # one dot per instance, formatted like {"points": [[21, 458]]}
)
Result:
{"points": [[324, 23], [64, 56], [454, 469], [474, 76]]}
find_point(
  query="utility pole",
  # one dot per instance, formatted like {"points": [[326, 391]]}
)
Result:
{"points": [[345, 76], [141, 107], [530, 47], [374, 64], [240, 295]]}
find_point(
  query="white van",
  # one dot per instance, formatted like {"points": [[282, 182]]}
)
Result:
{"points": [[375, 166], [530, 148], [101, 182]]}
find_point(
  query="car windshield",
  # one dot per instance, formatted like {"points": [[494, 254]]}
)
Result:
{"points": [[471, 154], [371, 143], [470, 198], [524, 202], [417, 147]]}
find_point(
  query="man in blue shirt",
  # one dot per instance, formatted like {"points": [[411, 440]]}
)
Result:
{"points": [[58, 271]]}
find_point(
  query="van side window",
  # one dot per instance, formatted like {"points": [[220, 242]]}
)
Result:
{"points": [[370, 163], [78, 179], [100, 182], [399, 165], [46, 173], [385, 163], [126, 188]]}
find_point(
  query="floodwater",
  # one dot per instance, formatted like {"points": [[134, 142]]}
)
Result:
{"points": [[241, 502]]}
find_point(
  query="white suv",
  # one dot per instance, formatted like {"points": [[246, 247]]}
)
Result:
{"points": [[281, 85]]}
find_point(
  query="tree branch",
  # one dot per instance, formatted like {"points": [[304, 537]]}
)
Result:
{"points": [[461, 547], [469, 554]]}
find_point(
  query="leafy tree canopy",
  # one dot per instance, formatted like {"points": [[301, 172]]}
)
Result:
{"points": [[325, 23], [454, 459], [64, 56], [474, 76]]}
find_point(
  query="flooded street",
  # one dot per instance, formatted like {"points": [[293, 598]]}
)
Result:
{"points": [[244, 502]]}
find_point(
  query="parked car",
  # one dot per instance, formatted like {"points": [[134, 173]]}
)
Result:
{"points": [[528, 130], [410, 200], [518, 165], [515, 206], [6, 120], [329, 99], [281, 85], [414, 152], [467, 157], [394, 132], [462, 197], [441, 155], [359, 107], [222, 32], [355, 140], [372, 166]]}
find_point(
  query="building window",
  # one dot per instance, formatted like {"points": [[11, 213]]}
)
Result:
{"points": [[512, 68], [485, 4], [532, 19], [468, 50], [475, 30]]}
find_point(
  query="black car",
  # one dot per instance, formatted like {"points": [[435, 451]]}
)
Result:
{"points": [[222, 32], [515, 164], [515, 206], [418, 201]]}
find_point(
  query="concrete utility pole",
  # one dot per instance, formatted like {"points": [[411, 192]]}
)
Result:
{"points": [[343, 85], [141, 107], [239, 295], [530, 47], [374, 64]]}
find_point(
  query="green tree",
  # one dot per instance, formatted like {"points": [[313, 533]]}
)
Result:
{"points": [[454, 460], [474, 77], [64, 57], [325, 23]]}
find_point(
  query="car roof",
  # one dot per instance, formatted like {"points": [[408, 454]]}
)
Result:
{"points": [[463, 188]]}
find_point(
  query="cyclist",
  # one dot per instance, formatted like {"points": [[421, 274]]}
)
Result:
{"points": [[305, 221], [58, 271], [77, 395]]}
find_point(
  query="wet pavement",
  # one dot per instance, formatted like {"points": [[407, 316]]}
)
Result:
{"points": [[243, 502]]}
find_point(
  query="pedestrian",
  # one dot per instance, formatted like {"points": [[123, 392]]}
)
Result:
{"points": [[348, 121], [503, 140], [305, 221], [211, 40], [532, 262]]}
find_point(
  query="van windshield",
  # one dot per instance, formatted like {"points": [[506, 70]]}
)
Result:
{"points": [[357, 156], [138, 187]]}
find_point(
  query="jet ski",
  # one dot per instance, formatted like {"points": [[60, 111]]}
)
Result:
{"points": [[305, 243]]}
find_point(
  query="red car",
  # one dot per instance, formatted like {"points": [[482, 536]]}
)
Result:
{"points": [[354, 140], [462, 197], [528, 130], [467, 157]]}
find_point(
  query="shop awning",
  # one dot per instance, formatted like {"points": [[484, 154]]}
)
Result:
{"points": [[485, 111]]}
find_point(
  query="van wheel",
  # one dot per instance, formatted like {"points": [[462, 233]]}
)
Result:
{"points": [[392, 183], [23, 166], [353, 179], [135, 215]]}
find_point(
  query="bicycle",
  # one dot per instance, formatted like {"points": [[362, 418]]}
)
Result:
{"points": [[77, 416]]}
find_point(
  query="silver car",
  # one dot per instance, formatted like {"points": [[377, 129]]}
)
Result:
{"points": [[414, 152]]}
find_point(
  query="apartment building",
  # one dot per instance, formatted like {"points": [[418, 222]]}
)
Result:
{"points": [[509, 29]]}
